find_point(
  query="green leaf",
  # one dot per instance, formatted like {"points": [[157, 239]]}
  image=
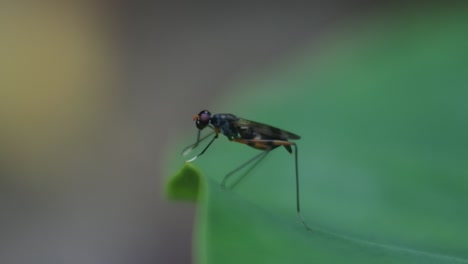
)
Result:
{"points": [[237, 230], [187, 184], [383, 115]]}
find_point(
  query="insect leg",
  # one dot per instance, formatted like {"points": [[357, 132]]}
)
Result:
{"points": [[194, 145], [207, 146], [297, 190], [269, 144], [257, 157]]}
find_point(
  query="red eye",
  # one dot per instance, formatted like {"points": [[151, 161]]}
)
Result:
{"points": [[203, 119]]}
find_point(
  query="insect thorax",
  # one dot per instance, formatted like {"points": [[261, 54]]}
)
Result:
{"points": [[226, 123]]}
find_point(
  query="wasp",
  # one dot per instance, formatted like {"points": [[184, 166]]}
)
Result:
{"points": [[254, 134]]}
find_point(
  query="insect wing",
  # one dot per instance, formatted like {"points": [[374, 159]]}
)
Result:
{"points": [[266, 130]]}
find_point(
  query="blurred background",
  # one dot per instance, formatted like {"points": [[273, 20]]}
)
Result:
{"points": [[92, 93]]}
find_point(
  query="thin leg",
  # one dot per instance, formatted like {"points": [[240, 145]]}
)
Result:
{"points": [[297, 191], [257, 157], [194, 145], [203, 151], [269, 144]]}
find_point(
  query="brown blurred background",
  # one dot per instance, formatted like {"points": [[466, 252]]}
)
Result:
{"points": [[93, 93]]}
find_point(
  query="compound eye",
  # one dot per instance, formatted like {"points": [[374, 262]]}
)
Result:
{"points": [[203, 119]]}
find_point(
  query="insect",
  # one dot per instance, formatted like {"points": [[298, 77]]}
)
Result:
{"points": [[253, 134]]}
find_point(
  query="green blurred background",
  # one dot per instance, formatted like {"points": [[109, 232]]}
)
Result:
{"points": [[94, 95]]}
